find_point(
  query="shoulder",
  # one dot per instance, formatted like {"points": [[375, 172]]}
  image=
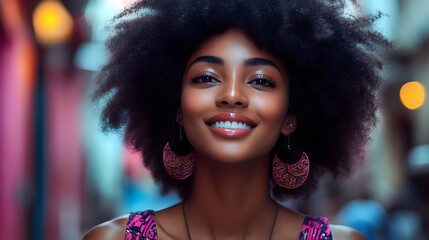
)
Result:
{"points": [[170, 222], [346, 233], [110, 230]]}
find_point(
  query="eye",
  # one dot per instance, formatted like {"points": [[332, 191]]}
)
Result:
{"points": [[262, 81], [205, 78]]}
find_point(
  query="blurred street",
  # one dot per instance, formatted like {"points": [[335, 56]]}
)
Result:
{"points": [[60, 174]]}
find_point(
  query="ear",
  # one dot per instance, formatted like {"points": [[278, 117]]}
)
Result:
{"points": [[289, 125], [179, 116]]}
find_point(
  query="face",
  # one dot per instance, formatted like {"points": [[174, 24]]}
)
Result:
{"points": [[234, 99]]}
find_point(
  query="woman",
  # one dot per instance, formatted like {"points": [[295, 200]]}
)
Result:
{"points": [[234, 103]]}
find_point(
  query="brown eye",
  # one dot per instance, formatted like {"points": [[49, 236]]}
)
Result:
{"points": [[261, 81], [204, 79]]}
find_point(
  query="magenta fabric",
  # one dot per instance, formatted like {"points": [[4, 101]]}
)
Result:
{"points": [[141, 226], [315, 228]]}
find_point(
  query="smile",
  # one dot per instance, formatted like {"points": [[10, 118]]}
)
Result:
{"points": [[231, 125]]}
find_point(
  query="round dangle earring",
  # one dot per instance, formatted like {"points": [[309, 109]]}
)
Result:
{"points": [[178, 167], [291, 176]]}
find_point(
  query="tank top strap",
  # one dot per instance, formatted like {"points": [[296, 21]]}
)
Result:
{"points": [[141, 226], [315, 228]]}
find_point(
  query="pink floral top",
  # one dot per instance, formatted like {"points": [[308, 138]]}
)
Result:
{"points": [[141, 226]]}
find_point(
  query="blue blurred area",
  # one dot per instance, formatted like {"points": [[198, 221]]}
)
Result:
{"points": [[366, 216]]}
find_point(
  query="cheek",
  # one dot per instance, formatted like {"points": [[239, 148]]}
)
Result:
{"points": [[193, 104], [272, 112], [272, 108]]}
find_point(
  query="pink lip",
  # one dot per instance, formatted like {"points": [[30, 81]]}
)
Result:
{"points": [[228, 132]]}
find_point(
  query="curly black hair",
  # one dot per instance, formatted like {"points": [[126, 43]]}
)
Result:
{"points": [[333, 62]]}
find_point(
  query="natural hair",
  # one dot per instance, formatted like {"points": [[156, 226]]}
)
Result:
{"points": [[333, 62]]}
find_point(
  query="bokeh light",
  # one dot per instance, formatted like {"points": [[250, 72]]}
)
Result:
{"points": [[412, 95], [52, 22]]}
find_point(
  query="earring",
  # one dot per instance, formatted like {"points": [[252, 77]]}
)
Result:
{"points": [[178, 167], [291, 176], [180, 127], [288, 138]]}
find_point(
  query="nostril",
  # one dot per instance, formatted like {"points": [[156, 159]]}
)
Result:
{"points": [[227, 103]]}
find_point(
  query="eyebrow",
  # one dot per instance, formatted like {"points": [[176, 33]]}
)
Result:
{"points": [[259, 62], [208, 59], [247, 62]]}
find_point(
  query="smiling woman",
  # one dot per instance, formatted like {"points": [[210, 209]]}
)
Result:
{"points": [[234, 103], [245, 86]]}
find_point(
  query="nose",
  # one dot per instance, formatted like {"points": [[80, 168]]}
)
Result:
{"points": [[232, 95]]}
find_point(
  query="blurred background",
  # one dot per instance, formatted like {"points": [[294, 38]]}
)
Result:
{"points": [[60, 175]]}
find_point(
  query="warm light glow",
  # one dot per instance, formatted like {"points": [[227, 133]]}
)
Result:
{"points": [[412, 95], [52, 22]]}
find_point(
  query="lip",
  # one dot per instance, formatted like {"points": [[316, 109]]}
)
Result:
{"points": [[228, 132], [231, 116]]}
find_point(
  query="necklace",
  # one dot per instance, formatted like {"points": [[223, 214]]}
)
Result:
{"points": [[271, 232]]}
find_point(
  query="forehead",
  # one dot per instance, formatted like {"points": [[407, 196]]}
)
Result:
{"points": [[233, 46]]}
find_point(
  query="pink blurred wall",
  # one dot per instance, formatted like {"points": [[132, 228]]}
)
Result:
{"points": [[17, 74], [64, 93]]}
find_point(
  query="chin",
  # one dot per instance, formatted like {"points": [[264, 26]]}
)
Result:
{"points": [[230, 155]]}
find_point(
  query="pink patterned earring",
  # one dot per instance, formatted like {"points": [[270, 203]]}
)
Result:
{"points": [[178, 167], [291, 176]]}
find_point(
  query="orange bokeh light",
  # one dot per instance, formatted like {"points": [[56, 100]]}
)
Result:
{"points": [[412, 95], [52, 22]]}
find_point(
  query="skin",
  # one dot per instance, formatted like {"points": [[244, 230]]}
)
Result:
{"points": [[231, 175]]}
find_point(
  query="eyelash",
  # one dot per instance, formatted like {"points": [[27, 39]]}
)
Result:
{"points": [[260, 80], [263, 81], [205, 78]]}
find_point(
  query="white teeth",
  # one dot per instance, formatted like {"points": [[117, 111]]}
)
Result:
{"points": [[229, 124]]}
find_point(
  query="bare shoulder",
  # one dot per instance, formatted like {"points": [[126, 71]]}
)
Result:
{"points": [[346, 233], [110, 230], [170, 223]]}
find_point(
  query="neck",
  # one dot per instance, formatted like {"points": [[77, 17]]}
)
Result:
{"points": [[230, 200]]}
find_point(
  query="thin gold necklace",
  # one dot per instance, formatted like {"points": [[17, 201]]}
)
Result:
{"points": [[189, 233]]}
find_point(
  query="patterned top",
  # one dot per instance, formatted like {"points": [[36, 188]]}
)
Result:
{"points": [[141, 226]]}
